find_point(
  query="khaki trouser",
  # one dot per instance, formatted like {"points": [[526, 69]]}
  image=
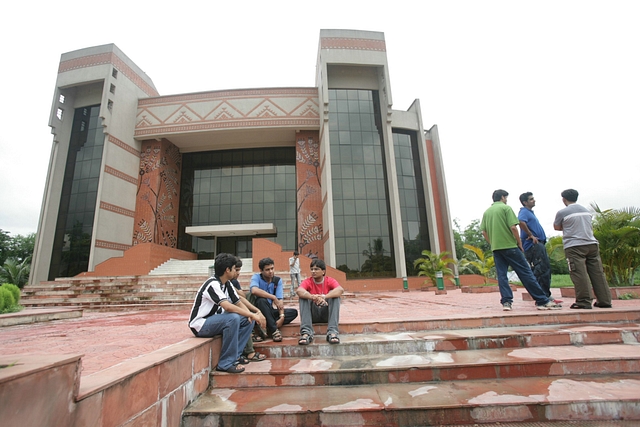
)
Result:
{"points": [[585, 266]]}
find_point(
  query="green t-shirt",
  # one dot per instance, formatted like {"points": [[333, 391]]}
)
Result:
{"points": [[497, 222]]}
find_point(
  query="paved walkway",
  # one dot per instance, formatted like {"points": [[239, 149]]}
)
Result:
{"points": [[107, 338]]}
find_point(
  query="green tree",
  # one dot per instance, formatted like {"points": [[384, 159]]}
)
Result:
{"points": [[618, 232], [21, 247], [482, 263], [431, 263], [5, 241], [472, 236], [15, 272]]}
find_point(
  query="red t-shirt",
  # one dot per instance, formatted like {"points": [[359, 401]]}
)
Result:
{"points": [[319, 289]]}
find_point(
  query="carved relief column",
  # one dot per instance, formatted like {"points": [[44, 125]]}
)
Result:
{"points": [[158, 196], [309, 196]]}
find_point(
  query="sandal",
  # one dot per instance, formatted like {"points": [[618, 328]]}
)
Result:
{"points": [[333, 339], [600, 305], [243, 360], [256, 338], [276, 335], [579, 307], [234, 369], [306, 339], [257, 357]]}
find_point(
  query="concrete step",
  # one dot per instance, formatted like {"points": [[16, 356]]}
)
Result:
{"points": [[385, 368], [577, 334], [530, 399]]}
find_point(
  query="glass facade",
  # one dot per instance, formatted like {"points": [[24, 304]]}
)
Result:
{"points": [[74, 227], [411, 193], [360, 201], [238, 187]]}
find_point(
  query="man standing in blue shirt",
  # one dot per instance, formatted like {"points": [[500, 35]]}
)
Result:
{"points": [[533, 242], [266, 291]]}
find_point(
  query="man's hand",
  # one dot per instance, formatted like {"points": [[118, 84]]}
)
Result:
{"points": [[320, 300], [533, 238], [279, 304]]}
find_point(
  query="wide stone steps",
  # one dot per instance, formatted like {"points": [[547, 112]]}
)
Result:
{"points": [[584, 397], [517, 369]]}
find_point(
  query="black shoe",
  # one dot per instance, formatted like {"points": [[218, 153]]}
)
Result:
{"points": [[580, 307], [597, 304]]}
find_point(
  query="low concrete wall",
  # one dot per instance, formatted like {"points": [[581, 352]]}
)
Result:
{"points": [[151, 390]]}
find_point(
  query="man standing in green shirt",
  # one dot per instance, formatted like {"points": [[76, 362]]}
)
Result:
{"points": [[499, 228]]}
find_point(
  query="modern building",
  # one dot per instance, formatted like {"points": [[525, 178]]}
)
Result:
{"points": [[331, 170]]}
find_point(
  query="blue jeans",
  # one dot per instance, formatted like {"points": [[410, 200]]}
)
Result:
{"points": [[235, 330], [514, 258]]}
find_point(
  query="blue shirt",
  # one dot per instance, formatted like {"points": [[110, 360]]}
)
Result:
{"points": [[257, 280], [528, 217]]}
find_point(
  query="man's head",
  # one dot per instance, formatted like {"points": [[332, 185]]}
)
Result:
{"points": [[224, 262], [238, 268], [570, 196], [527, 200], [296, 253], [267, 268], [498, 195], [318, 268]]}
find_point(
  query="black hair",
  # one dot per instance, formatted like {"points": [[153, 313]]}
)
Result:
{"points": [[570, 194], [524, 197], [264, 262], [224, 261], [497, 195], [238, 263], [317, 262], [296, 253]]}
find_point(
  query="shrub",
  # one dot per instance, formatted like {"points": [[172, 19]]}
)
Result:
{"points": [[7, 301], [15, 291]]}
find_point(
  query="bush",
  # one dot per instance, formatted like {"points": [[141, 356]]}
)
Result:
{"points": [[15, 291], [7, 301]]}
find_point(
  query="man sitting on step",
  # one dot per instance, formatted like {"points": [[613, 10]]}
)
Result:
{"points": [[249, 352], [218, 310], [266, 291], [319, 303]]}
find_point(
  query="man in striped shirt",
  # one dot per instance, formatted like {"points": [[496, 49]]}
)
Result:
{"points": [[218, 310]]}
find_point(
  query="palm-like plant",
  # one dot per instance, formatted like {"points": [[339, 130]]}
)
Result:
{"points": [[15, 272], [618, 232], [483, 264], [431, 263]]}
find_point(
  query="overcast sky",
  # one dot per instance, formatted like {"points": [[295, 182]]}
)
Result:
{"points": [[528, 96]]}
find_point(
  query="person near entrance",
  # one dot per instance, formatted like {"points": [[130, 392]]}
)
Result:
{"points": [[583, 253], [266, 292], [319, 299], [499, 228], [294, 272], [218, 310]]}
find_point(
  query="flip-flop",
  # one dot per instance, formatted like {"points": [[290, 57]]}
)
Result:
{"points": [[243, 360], [234, 369], [306, 339], [333, 339], [257, 357]]}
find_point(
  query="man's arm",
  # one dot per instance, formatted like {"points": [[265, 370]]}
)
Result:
{"points": [[528, 232], [486, 236], [557, 227], [516, 234], [252, 308], [238, 309]]}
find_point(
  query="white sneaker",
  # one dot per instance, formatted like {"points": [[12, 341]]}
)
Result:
{"points": [[549, 306]]}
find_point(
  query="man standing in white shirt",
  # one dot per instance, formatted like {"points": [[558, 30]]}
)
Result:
{"points": [[294, 272]]}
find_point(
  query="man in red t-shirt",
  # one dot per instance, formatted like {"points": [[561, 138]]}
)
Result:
{"points": [[319, 298]]}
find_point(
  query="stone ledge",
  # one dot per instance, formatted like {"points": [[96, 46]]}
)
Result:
{"points": [[34, 315]]}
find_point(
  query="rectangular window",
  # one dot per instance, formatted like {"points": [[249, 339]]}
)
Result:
{"points": [[59, 113]]}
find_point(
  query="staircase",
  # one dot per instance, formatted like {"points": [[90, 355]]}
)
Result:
{"points": [[156, 291], [551, 368]]}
